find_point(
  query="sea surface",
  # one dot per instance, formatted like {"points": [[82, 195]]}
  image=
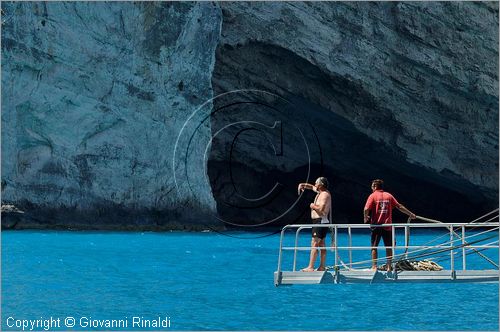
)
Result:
{"points": [[213, 281]]}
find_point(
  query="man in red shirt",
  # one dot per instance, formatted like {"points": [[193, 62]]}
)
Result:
{"points": [[380, 205]]}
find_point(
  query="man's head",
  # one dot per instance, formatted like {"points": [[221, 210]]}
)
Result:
{"points": [[321, 183], [377, 184]]}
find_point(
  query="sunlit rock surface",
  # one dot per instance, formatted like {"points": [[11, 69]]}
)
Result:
{"points": [[93, 99], [108, 119]]}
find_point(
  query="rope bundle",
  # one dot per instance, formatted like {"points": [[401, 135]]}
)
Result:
{"points": [[424, 265]]}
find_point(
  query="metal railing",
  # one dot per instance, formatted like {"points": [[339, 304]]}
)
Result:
{"points": [[451, 246]]}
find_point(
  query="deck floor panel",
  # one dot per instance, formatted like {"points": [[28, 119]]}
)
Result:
{"points": [[363, 276]]}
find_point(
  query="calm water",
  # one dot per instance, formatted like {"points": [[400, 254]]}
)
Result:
{"points": [[212, 281]]}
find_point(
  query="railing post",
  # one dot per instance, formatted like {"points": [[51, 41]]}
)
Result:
{"points": [[463, 249], [281, 248], [295, 249], [335, 244], [406, 242], [350, 245], [452, 261], [393, 230]]}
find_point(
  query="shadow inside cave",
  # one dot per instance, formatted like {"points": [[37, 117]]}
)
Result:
{"points": [[243, 164]]}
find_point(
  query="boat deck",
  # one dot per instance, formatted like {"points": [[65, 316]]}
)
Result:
{"points": [[461, 239], [363, 276]]}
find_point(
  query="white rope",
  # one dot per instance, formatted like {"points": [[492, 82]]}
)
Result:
{"points": [[421, 250], [452, 241], [447, 243], [471, 222], [459, 237], [430, 220], [333, 244], [460, 254], [445, 249], [495, 217], [487, 214]]}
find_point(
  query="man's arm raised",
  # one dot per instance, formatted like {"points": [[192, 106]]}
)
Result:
{"points": [[303, 186]]}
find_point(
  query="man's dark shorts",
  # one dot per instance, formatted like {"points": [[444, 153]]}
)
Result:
{"points": [[380, 232], [319, 232]]}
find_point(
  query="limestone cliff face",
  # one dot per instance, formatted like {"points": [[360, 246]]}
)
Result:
{"points": [[420, 77], [93, 99], [407, 92], [108, 116]]}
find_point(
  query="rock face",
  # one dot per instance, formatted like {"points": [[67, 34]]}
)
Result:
{"points": [[93, 99], [407, 92], [126, 115]]}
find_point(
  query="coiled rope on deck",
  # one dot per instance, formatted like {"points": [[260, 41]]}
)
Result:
{"points": [[424, 265]]}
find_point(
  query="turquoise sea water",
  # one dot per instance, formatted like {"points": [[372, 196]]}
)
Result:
{"points": [[211, 281]]}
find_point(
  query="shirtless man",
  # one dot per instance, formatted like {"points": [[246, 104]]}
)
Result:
{"points": [[319, 215]]}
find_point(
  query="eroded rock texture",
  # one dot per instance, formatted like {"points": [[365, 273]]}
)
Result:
{"points": [[108, 119], [93, 99], [407, 92]]}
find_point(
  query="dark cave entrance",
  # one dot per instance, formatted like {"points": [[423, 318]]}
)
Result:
{"points": [[325, 105]]}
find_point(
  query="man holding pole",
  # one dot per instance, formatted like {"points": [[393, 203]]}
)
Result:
{"points": [[380, 204]]}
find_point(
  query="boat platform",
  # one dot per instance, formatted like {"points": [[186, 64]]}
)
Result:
{"points": [[370, 277], [461, 240]]}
